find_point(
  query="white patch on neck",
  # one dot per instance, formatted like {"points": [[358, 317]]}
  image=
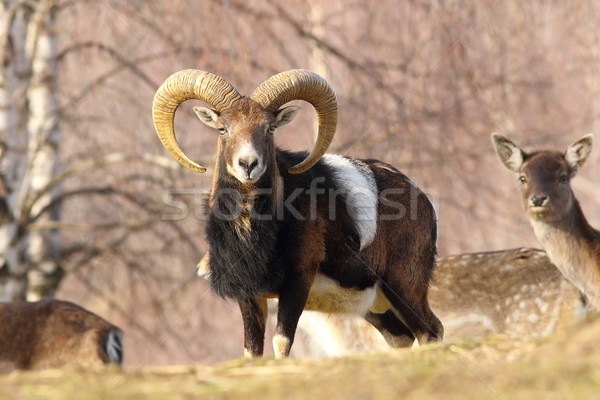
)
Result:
{"points": [[356, 183]]}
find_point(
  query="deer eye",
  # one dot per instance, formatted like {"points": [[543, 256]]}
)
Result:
{"points": [[522, 179]]}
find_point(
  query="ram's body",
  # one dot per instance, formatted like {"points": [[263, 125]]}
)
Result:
{"points": [[318, 231]]}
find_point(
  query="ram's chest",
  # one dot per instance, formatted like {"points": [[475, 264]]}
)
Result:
{"points": [[326, 295]]}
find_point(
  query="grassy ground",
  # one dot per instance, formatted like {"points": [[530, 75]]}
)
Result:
{"points": [[563, 367]]}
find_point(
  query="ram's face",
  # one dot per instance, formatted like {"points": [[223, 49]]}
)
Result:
{"points": [[246, 136], [246, 124]]}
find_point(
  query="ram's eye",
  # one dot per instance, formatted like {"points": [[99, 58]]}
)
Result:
{"points": [[222, 130], [271, 129], [563, 178], [522, 179]]}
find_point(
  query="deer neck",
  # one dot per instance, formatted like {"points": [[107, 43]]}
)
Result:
{"points": [[570, 243]]}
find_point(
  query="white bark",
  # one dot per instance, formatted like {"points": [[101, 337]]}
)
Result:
{"points": [[30, 136], [44, 143], [318, 56]]}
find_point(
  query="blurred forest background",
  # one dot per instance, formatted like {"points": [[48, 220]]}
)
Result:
{"points": [[93, 210]]}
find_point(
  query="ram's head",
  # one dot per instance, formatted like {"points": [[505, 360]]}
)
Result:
{"points": [[245, 124]]}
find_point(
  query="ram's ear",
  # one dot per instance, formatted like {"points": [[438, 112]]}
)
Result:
{"points": [[208, 116], [509, 153], [286, 115]]}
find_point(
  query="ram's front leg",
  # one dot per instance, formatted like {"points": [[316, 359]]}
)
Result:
{"points": [[292, 300], [305, 254], [254, 315]]}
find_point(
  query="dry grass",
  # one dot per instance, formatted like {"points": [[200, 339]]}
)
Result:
{"points": [[563, 367]]}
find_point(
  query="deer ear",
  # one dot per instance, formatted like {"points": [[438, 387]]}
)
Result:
{"points": [[509, 153], [577, 154], [207, 115]]}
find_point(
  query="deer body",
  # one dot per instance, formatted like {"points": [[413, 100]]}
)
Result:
{"points": [[554, 212], [512, 292], [54, 334]]}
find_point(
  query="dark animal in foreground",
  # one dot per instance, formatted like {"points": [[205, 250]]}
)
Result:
{"points": [[323, 232]]}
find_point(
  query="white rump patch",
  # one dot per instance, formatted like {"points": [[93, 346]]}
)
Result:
{"points": [[356, 184]]}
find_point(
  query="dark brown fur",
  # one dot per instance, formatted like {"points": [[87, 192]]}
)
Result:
{"points": [[52, 334], [282, 253]]}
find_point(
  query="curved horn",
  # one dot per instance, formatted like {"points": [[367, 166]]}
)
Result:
{"points": [[179, 87], [299, 84]]}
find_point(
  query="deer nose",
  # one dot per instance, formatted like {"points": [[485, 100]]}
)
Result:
{"points": [[248, 164], [539, 200]]}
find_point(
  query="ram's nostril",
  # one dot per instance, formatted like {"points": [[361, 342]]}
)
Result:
{"points": [[248, 164]]}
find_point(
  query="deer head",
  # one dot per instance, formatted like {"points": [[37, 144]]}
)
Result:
{"points": [[545, 176]]}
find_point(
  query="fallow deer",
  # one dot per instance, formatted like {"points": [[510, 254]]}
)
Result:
{"points": [[55, 334], [554, 212]]}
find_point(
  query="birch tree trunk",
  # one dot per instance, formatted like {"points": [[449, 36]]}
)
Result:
{"points": [[318, 56], [29, 142]]}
